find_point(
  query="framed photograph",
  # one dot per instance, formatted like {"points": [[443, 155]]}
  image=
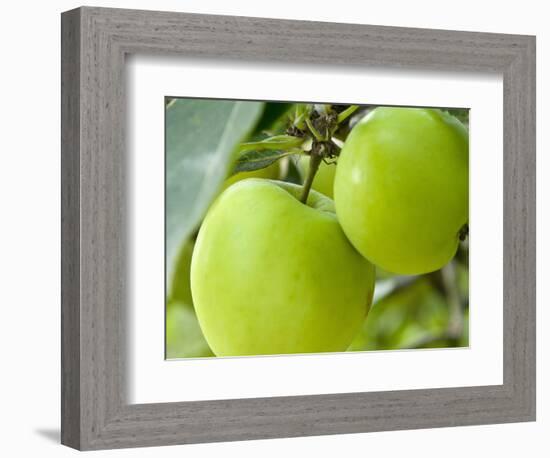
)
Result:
{"points": [[276, 228]]}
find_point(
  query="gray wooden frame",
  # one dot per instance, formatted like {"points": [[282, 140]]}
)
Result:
{"points": [[95, 413]]}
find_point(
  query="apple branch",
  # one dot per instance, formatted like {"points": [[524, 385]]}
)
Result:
{"points": [[314, 162]]}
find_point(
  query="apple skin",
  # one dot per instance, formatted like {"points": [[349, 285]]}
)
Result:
{"points": [[401, 188], [271, 172], [323, 181], [270, 275], [180, 286]]}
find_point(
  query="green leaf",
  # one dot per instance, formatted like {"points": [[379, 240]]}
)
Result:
{"points": [[184, 337], [256, 160], [261, 154], [301, 112], [277, 142], [273, 112], [201, 138], [462, 114]]}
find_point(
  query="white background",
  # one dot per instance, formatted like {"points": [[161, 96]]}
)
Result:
{"points": [[155, 380], [29, 238]]}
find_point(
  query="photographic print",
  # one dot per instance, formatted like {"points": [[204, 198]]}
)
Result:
{"points": [[299, 228]]}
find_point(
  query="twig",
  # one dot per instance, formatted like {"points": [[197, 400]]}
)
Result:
{"points": [[347, 113], [314, 162]]}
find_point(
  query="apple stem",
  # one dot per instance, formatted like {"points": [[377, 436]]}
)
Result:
{"points": [[347, 113], [314, 131], [314, 162]]}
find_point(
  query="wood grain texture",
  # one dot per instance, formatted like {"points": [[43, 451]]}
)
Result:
{"points": [[70, 229], [95, 410]]}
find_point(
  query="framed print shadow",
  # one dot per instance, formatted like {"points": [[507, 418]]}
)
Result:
{"points": [[292, 241]]}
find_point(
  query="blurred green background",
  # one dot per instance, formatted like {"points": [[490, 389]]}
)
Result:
{"points": [[202, 139]]}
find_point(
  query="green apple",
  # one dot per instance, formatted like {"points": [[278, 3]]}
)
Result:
{"points": [[401, 188], [180, 285], [323, 181], [271, 172], [180, 288], [271, 275]]}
